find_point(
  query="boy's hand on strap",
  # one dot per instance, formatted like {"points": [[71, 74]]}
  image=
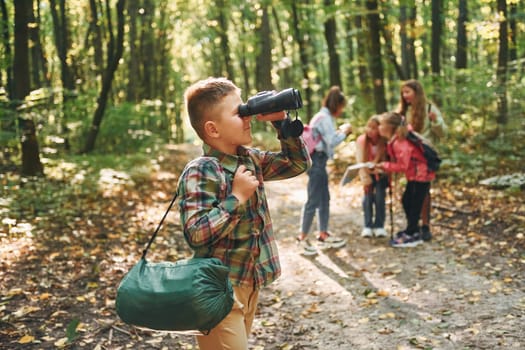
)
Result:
{"points": [[244, 184]]}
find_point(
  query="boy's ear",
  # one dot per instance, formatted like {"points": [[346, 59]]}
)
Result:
{"points": [[210, 129]]}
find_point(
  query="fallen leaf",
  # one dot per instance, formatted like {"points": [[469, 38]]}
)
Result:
{"points": [[26, 339]]}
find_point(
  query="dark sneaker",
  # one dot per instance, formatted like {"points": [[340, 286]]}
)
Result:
{"points": [[426, 234], [406, 241]]}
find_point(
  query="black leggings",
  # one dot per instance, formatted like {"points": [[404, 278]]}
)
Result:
{"points": [[413, 197]]}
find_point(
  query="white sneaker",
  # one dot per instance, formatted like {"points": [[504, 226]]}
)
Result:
{"points": [[308, 248], [367, 232], [331, 241], [380, 232]]}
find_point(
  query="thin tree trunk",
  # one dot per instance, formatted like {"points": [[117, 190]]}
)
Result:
{"points": [[132, 93], [62, 42], [330, 33], [96, 37], [31, 165], [513, 32], [286, 79], [38, 61], [264, 58], [461, 52], [436, 37], [387, 36], [411, 43], [114, 54], [376, 65], [148, 49], [502, 64], [303, 56], [403, 36], [223, 35], [361, 56], [4, 26]]}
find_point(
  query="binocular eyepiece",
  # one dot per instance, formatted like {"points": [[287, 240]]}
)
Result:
{"points": [[266, 102]]}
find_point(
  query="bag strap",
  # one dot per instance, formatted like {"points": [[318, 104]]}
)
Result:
{"points": [[158, 227]]}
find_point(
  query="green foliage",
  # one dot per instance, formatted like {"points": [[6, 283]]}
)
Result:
{"points": [[75, 180], [71, 330]]}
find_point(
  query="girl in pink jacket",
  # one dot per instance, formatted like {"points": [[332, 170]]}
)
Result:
{"points": [[406, 158]]}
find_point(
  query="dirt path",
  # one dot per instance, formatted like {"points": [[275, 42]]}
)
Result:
{"points": [[58, 283], [370, 296]]}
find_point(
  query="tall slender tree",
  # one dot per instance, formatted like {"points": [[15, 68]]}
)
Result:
{"points": [[437, 25], [263, 80], [114, 54], [31, 164], [302, 41], [223, 20], [8, 67], [461, 42], [330, 33], [375, 62], [501, 72]]}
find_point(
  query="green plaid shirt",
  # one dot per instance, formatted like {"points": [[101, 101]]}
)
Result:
{"points": [[217, 225]]}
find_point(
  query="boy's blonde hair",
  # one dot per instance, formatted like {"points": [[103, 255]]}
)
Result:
{"points": [[202, 97], [398, 123]]}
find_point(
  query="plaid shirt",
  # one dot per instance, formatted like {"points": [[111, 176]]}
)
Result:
{"points": [[217, 225]]}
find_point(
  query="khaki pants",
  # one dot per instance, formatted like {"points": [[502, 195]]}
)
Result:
{"points": [[233, 332]]}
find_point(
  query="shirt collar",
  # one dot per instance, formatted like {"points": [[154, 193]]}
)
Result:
{"points": [[228, 161]]}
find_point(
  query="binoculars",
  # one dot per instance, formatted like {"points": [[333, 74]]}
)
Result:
{"points": [[266, 102]]}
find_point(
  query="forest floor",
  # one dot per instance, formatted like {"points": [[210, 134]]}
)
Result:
{"points": [[463, 290]]}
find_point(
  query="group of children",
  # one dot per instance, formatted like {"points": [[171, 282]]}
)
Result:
{"points": [[223, 207], [385, 144]]}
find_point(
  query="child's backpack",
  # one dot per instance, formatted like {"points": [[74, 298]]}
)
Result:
{"points": [[429, 152], [308, 134]]}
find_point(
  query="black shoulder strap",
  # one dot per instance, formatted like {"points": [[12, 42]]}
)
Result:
{"points": [[158, 227]]}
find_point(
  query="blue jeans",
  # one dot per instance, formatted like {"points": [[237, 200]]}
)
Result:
{"points": [[375, 199], [318, 195]]}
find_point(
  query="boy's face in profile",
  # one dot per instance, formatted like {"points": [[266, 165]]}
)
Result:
{"points": [[231, 130]]}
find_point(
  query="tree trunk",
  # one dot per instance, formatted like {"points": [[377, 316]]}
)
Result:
{"points": [[223, 35], [303, 56], [40, 76], [147, 41], [403, 36], [31, 165], [62, 42], [114, 53], [4, 27], [330, 33], [361, 56], [376, 65], [387, 36], [411, 43], [513, 32], [285, 70], [349, 68], [501, 73], [461, 52], [436, 37], [264, 58], [96, 37], [132, 93]]}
